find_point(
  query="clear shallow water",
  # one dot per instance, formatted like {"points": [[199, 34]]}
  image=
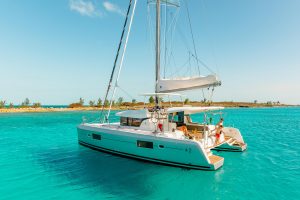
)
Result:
{"points": [[41, 159]]}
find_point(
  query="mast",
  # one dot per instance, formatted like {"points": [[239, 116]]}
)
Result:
{"points": [[157, 65]]}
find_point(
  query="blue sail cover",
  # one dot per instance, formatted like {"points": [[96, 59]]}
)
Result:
{"points": [[175, 3]]}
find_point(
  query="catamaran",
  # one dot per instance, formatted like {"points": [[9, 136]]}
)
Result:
{"points": [[162, 135]]}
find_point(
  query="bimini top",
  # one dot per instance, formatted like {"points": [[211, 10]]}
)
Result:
{"points": [[138, 114], [161, 94], [192, 110]]}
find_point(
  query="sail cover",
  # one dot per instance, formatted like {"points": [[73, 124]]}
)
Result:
{"points": [[187, 83], [167, 2]]}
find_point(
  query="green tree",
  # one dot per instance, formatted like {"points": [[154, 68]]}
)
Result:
{"points": [[36, 105], [2, 104], [113, 103], [92, 103], [106, 103], [99, 102], [151, 99], [81, 101], [25, 103], [133, 101], [255, 101], [11, 105], [186, 101], [120, 101]]}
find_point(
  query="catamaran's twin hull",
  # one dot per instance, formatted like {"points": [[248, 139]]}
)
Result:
{"points": [[180, 153]]}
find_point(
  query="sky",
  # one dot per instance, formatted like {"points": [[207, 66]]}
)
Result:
{"points": [[56, 51]]}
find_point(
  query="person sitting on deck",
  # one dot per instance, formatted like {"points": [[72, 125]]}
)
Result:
{"points": [[220, 123], [218, 134], [184, 130]]}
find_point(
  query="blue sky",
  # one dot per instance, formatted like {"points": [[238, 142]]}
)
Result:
{"points": [[56, 51]]}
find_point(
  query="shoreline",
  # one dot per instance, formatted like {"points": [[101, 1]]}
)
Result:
{"points": [[88, 108]]}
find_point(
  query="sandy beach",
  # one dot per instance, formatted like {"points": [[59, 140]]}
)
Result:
{"points": [[87, 108]]}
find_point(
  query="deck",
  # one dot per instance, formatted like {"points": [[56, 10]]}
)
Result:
{"points": [[214, 159]]}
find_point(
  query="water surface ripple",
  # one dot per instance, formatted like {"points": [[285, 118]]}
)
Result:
{"points": [[41, 159]]}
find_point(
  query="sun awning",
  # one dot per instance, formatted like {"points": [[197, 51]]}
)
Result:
{"points": [[138, 114], [192, 110]]}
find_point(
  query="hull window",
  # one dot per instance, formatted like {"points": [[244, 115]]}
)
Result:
{"points": [[96, 137], [145, 144]]}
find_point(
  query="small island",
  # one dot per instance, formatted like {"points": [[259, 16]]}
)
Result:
{"points": [[27, 106]]}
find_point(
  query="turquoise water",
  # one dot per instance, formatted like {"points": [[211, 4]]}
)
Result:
{"points": [[41, 159]]}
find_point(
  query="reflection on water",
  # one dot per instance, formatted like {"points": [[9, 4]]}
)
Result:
{"points": [[97, 170]]}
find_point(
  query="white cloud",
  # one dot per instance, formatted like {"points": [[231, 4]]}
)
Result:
{"points": [[84, 7], [110, 7]]}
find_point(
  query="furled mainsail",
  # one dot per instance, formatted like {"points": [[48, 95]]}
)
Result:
{"points": [[188, 83]]}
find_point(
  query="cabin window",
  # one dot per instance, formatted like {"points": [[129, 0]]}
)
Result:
{"points": [[127, 121], [177, 118], [123, 121], [136, 122], [96, 137], [145, 144]]}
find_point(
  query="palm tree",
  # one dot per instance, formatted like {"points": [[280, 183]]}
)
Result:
{"points": [[99, 102], [186, 101], [120, 101], [25, 103], [106, 103], [2, 104], [81, 101], [92, 103], [36, 105]]}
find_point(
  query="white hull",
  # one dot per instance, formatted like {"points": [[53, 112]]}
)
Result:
{"points": [[164, 150]]}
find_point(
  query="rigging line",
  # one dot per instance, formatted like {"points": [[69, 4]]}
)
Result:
{"points": [[116, 58], [123, 90], [212, 93], [151, 31], [202, 63], [190, 64], [168, 55], [192, 34], [179, 69], [175, 20], [122, 58], [211, 41], [203, 95]]}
